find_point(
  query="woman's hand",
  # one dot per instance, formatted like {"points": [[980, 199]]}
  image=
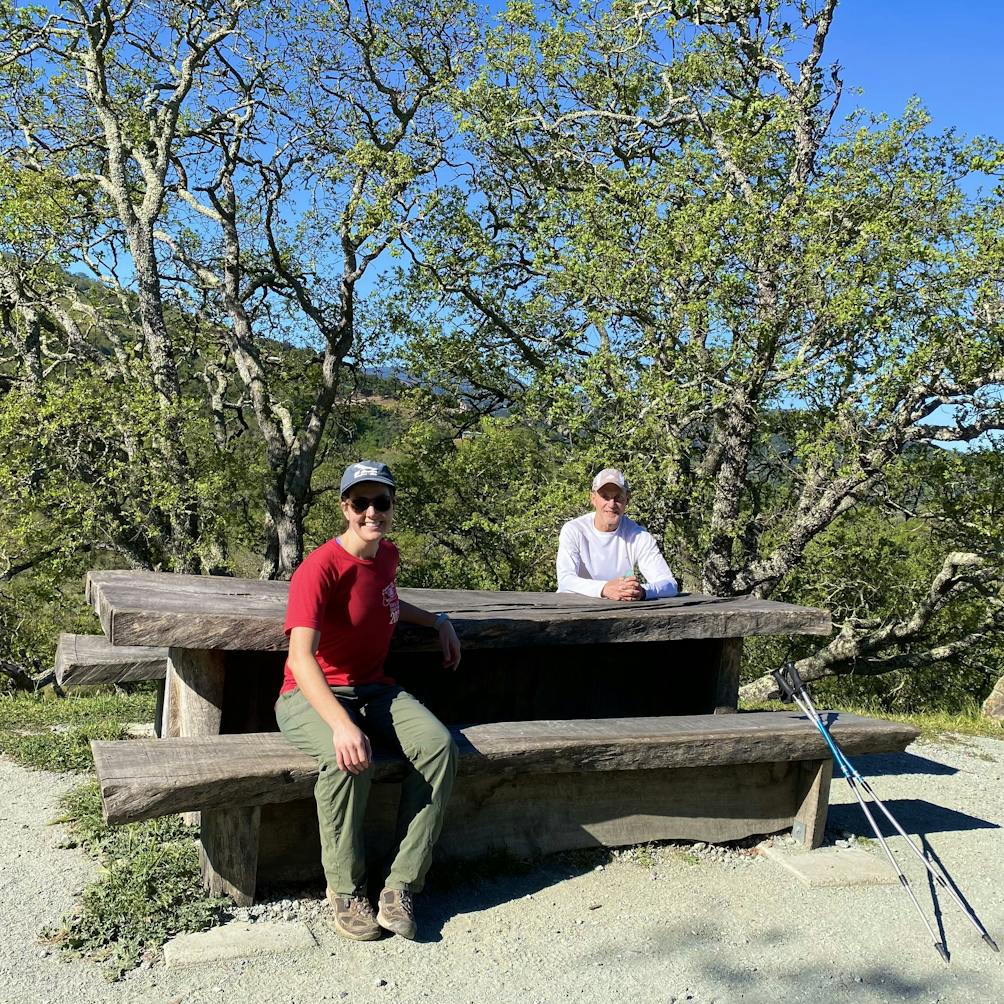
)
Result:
{"points": [[352, 748], [451, 645]]}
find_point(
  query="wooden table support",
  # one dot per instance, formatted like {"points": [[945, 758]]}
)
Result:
{"points": [[193, 700], [228, 852], [194, 693], [727, 677]]}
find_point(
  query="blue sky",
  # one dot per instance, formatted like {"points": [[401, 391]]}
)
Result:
{"points": [[949, 55]]}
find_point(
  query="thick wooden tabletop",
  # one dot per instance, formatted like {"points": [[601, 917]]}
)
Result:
{"points": [[218, 612]]}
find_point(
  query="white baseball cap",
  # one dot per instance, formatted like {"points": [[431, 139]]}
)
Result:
{"points": [[610, 476]]}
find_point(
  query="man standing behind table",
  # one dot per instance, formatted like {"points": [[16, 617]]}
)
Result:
{"points": [[598, 552]]}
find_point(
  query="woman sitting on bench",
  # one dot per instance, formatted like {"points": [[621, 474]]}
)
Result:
{"points": [[343, 607]]}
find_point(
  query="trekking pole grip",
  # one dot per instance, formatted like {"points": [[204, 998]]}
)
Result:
{"points": [[787, 694]]}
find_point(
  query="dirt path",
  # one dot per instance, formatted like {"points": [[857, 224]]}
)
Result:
{"points": [[672, 925]]}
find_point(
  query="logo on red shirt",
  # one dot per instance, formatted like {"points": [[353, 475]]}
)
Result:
{"points": [[390, 600]]}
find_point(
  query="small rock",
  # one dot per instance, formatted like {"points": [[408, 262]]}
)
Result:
{"points": [[378, 982], [44, 953], [595, 906], [598, 868]]}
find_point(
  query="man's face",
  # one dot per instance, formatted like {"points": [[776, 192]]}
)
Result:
{"points": [[609, 502]]}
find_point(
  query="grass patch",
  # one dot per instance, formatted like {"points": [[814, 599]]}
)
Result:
{"points": [[686, 857], [149, 889], [48, 733], [933, 725]]}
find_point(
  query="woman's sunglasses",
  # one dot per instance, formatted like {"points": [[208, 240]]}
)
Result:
{"points": [[360, 503]]}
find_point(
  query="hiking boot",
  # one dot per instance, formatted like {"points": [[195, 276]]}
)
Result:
{"points": [[397, 913], [354, 917]]}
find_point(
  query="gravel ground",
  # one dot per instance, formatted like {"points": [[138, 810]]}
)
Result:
{"points": [[667, 924]]}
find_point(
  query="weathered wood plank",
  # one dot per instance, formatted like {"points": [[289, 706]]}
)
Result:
{"points": [[530, 814], [813, 792], [83, 659], [215, 612], [195, 686], [141, 779], [228, 852], [727, 677]]}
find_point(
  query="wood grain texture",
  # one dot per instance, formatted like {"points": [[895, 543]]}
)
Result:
{"points": [[195, 684], [727, 676], [228, 852], [813, 793], [525, 815], [216, 612], [141, 779], [90, 658]]}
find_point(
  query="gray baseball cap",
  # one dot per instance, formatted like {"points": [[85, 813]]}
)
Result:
{"points": [[367, 470]]}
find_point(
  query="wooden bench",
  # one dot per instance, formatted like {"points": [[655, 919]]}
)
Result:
{"points": [[88, 659], [525, 788], [84, 659]]}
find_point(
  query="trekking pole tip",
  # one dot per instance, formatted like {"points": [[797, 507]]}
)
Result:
{"points": [[990, 941], [942, 951]]}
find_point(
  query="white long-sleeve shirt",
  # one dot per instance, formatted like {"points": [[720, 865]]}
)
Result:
{"points": [[588, 558]]}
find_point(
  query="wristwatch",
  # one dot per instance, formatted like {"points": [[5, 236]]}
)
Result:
{"points": [[441, 618]]}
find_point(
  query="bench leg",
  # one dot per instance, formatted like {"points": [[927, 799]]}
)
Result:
{"points": [[813, 801], [229, 852]]}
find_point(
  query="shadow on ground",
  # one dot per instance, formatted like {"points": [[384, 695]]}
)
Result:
{"points": [[772, 966], [884, 764], [915, 815]]}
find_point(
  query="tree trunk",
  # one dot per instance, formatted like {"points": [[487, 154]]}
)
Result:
{"points": [[283, 535]]}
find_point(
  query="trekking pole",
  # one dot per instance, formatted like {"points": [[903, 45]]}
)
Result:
{"points": [[792, 686], [796, 692]]}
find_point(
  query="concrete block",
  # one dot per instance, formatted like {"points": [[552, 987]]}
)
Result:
{"points": [[237, 940], [834, 866]]}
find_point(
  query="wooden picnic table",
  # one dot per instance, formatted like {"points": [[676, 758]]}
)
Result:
{"points": [[526, 656], [575, 692]]}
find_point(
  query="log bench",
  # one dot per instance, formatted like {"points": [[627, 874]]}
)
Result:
{"points": [[523, 788], [89, 659], [85, 659]]}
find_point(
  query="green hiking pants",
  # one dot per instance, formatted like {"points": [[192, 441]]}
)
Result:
{"points": [[392, 718]]}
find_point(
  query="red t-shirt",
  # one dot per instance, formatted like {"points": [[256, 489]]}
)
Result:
{"points": [[353, 603]]}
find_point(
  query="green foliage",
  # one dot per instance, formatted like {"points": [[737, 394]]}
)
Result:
{"points": [[149, 890], [34, 609], [482, 511], [654, 248], [83, 466], [674, 256]]}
